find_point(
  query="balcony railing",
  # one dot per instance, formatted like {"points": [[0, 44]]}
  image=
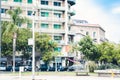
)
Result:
{"points": [[72, 2]]}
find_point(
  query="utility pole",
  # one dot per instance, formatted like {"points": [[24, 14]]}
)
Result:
{"points": [[14, 49], [0, 33]]}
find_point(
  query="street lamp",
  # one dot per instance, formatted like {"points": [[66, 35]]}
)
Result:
{"points": [[33, 46], [0, 32], [14, 49]]}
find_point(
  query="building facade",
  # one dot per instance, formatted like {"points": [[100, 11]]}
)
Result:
{"points": [[50, 16], [82, 28]]}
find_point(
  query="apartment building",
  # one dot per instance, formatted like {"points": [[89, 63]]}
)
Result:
{"points": [[50, 16], [82, 28]]}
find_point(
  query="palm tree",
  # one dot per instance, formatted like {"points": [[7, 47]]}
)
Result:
{"points": [[12, 26]]}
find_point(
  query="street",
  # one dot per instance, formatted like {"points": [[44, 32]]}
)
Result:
{"points": [[55, 77]]}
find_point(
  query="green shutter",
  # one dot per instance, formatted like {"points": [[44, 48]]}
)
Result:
{"points": [[57, 26], [29, 1], [57, 49], [4, 0], [17, 0], [29, 25], [44, 25]]}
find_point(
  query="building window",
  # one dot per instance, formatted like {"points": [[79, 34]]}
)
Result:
{"points": [[58, 15], [57, 26], [94, 34], [29, 25], [58, 38], [87, 33], [17, 0], [44, 25], [57, 3], [69, 28], [19, 24], [29, 1], [58, 49], [29, 13], [43, 2], [44, 14], [4, 0], [3, 10]]}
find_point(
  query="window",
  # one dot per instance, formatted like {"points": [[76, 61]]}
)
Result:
{"points": [[57, 38], [57, 4], [44, 14], [58, 15], [29, 13], [19, 24], [4, 0], [17, 0], [69, 28], [43, 2], [29, 1], [58, 49], [44, 25], [94, 34], [57, 26], [3, 10], [87, 33], [29, 25]]}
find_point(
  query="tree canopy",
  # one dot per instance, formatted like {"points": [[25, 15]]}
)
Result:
{"points": [[88, 48]]}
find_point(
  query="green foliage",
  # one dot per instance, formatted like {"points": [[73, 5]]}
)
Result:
{"points": [[107, 66], [11, 27], [92, 66], [107, 51], [89, 49], [45, 46]]}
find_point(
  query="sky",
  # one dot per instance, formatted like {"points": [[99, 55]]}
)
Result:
{"points": [[106, 13]]}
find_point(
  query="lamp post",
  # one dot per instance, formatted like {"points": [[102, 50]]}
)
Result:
{"points": [[33, 46], [0, 32], [14, 49]]}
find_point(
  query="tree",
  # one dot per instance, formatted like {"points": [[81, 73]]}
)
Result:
{"points": [[88, 48], [22, 42], [10, 28], [116, 54], [106, 50], [45, 46]]}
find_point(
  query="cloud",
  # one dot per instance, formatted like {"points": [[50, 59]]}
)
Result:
{"points": [[116, 10], [88, 10]]}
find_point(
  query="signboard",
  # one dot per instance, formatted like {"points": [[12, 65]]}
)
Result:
{"points": [[30, 41], [58, 60]]}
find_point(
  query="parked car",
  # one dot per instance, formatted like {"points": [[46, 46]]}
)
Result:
{"points": [[10, 68], [43, 67], [75, 67], [2, 68], [58, 69], [28, 68]]}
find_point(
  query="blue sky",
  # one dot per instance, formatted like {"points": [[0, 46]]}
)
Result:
{"points": [[103, 12]]}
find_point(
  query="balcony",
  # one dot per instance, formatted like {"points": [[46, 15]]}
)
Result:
{"points": [[5, 17], [72, 2], [72, 12], [47, 7], [60, 31]]}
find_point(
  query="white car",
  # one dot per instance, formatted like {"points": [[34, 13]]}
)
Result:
{"points": [[2, 68]]}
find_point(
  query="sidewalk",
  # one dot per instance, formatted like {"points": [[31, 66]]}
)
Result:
{"points": [[54, 77]]}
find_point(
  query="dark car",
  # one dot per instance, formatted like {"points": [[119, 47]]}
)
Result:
{"points": [[10, 68], [75, 67], [43, 67], [58, 68]]}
